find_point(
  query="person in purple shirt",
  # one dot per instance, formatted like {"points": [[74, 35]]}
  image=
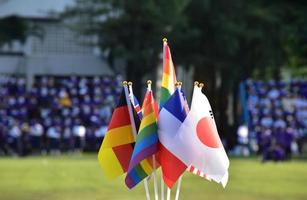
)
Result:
{"points": [[288, 137]]}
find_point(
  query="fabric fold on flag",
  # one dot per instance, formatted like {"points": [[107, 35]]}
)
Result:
{"points": [[197, 142], [117, 147], [146, 145], [171, 116], [168, 76], [135, 103]]}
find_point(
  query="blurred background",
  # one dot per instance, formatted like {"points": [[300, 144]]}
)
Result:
{"points": [[62, 63]]}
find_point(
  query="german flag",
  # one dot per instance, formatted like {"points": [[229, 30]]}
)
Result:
{"points": [[117, 147]]}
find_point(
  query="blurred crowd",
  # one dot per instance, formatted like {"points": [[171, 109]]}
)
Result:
{"points": [[57, 114], [277, 112]]}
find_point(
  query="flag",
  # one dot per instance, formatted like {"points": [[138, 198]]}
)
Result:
{"points": [[197, 142], [197, 172], [137, 107], [146, 145], [171, 116], [191, 168], [168, 76], [135, 104], [117, 147]]}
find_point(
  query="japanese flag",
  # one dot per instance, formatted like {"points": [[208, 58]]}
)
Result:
{"points": [[197, 142]]}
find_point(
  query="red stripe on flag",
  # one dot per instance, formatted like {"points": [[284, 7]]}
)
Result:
{"points": [[123, 154], [172, 167], [167, 52], [120, 117], [192, 168], [149, 104]]}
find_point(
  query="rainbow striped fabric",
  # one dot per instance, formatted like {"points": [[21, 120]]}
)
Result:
{"points": [[146, 144], [168, 77]]}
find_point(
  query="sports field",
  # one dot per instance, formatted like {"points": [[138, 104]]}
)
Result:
{"points": [[79, 177]]}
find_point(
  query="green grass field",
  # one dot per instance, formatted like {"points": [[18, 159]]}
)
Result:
{"points": [[79, 177]]}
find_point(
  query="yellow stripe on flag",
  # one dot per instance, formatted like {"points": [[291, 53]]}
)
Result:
{"points": [[168, 82], [146, 166], [109, 163], [165, 80], [148, 119], [118, 136]]}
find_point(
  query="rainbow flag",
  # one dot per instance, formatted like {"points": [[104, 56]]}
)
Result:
{"points": [[117, 147], [146, 144], [169, 75]]}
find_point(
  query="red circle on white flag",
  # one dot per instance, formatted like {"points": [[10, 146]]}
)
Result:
{"points": [[207, 133]]}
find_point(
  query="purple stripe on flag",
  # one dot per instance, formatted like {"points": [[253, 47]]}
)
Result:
{"points": [[151, 150], [129, 182]]}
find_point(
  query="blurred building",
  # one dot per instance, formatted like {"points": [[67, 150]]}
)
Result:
{"points": [[51, 47]]}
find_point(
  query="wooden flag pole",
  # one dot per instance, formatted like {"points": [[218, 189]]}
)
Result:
{"points": [[125, 84], [154, 158]]}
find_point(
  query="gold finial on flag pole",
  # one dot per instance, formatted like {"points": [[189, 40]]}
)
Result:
{"points": [[178, 84], [196, 83], [149, 84], [164, 40], [125, 83]]}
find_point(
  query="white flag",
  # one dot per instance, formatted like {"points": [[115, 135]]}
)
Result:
{"points": [[198, 143]]}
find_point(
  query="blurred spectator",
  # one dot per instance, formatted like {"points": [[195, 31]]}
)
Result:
{"points": [[79, 136], [3, 140], [24, 139], [56, 113], [67, 139], [278, 116], [14, 139], [53, 137], [243, 140], [36, 132]]}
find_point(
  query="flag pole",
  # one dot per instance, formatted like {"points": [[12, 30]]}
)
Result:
{"points": [[154, 158], [168, 195], [155, 178], [162, 187], [125, 84], [162, 182], [178, 85], [178, 187]]}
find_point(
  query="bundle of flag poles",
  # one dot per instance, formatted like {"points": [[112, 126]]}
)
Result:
{"points": [[173, 137]]}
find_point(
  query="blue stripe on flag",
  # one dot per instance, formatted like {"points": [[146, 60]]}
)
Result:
{"points": [[175, 102], [147, 142]]}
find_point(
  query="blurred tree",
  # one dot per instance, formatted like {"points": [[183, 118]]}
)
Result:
{"points": [[225, 41], [131, 31], [228, 41], [12, 28]]}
